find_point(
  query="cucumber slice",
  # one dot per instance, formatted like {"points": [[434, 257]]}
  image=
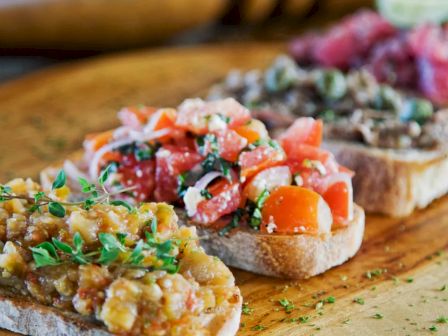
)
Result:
{"points": [[409, 13]]}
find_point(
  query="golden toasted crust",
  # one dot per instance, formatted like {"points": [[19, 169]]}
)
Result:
{"points": [[393, 182], [287, 256]]}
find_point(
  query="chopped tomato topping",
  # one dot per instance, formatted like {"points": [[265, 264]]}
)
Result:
{"points": [[262, 157], [163, 118], [304, 157], [226, 199], [292, 209], [253, 130], [196, 116], [172, 161], [135, 116], [340, 200], [229, 144], [304, 131], [138, 174]]}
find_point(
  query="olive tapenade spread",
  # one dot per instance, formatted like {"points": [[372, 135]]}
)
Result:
{"points": [[354, 106]]}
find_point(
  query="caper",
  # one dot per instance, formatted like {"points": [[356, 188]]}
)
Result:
{"points": [[386, 99], [331, 84], [416, 109]]}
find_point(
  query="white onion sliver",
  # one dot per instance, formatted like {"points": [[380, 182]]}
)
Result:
{"points": [[204, 181], [134, 136]]}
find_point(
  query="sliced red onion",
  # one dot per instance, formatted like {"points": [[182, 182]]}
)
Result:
{"points": [[205, 180]]}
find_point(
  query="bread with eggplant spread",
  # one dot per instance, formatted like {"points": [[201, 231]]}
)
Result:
{"points": [[281, 208], [98, 266]]}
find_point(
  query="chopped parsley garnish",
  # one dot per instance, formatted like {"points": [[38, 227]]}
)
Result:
{"points": [[304, 319], [359, 300], [409, 280], [443, 288], [214, 162], [330, 299], [206, 194], [288, 305], [433, 328], [246, 310], [258, 327], [378, 316], [442, 319]]}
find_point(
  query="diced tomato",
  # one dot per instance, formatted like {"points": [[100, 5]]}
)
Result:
{"points": [[162, 118], [171, 161], [262, 157], [139, 174], [299, 153], [226, 199], [195, 115], [304, 131], [292, 209], [338, 194], [95, 141], [253, 130], [135, 116], [229, 143], [268, 179]]}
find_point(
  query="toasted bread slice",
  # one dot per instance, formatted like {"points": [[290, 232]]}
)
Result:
{"points": [[290, 256], [23, 316], [393, 182], [297, 256]]}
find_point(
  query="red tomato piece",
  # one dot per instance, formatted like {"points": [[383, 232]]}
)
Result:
{"points": [[139, 174], [171, 161], [339, 197], [299, 153], [226, 199], [134, 116], [195, 114], [262, 157], [304, 131], [230, 144]]}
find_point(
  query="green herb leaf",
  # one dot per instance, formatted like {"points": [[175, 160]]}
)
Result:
{"points": [[110, 242], [60, 180], [62, 246], [359, 300], [246, 310], [44, 255], [136, 256], [121, 203], [378, 316], [104, 176], [56, 209], [154, 225], [206, 194], [108, 256], [262, 198]]}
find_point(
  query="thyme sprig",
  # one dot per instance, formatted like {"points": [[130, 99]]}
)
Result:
{"points": [[96, 194]]}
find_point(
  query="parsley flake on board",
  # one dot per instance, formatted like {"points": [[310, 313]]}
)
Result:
{"points": [[288, 305]]}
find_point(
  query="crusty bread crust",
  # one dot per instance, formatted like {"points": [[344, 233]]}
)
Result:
{"points": [[21, 315], [288, 256], [393, 182]]}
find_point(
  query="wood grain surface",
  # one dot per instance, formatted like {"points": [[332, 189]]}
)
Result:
{"points": [[399, 275]]}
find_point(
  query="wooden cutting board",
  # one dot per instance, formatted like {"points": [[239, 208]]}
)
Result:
{"points": [[398, 275]]}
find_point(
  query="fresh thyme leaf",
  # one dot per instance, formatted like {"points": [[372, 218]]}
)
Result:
{"points": [[38, 196], [170, 268], [104, 176], [5, 189], [60, 180], [121, 237], [122, 203], [78, 241], [136, 256], [110, 242], [56, 209], [50, 248], [108, 256], [62, 246], [85, 185], [42, 257]]}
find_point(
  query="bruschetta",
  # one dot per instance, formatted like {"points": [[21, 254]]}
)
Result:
{"points": [[98, 266], [289, 200]]}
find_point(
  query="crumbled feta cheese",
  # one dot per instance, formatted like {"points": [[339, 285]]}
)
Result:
{"points": [[271, 227], [216, 123], [298, 180], [192, 198]]}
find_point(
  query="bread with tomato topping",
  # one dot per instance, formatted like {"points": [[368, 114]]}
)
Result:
{"points": [[226, 176]]}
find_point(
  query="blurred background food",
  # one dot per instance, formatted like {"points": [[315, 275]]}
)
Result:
{"points": [[38, 33]]}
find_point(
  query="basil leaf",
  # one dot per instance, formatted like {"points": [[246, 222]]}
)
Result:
{"points": [[56, 209], [60, 180]]}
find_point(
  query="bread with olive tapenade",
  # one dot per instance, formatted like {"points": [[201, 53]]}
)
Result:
{"points": [[393, 182], [297, 256]]}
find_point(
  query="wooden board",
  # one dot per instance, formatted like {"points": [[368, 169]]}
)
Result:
{"points": [[45, 116]]}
